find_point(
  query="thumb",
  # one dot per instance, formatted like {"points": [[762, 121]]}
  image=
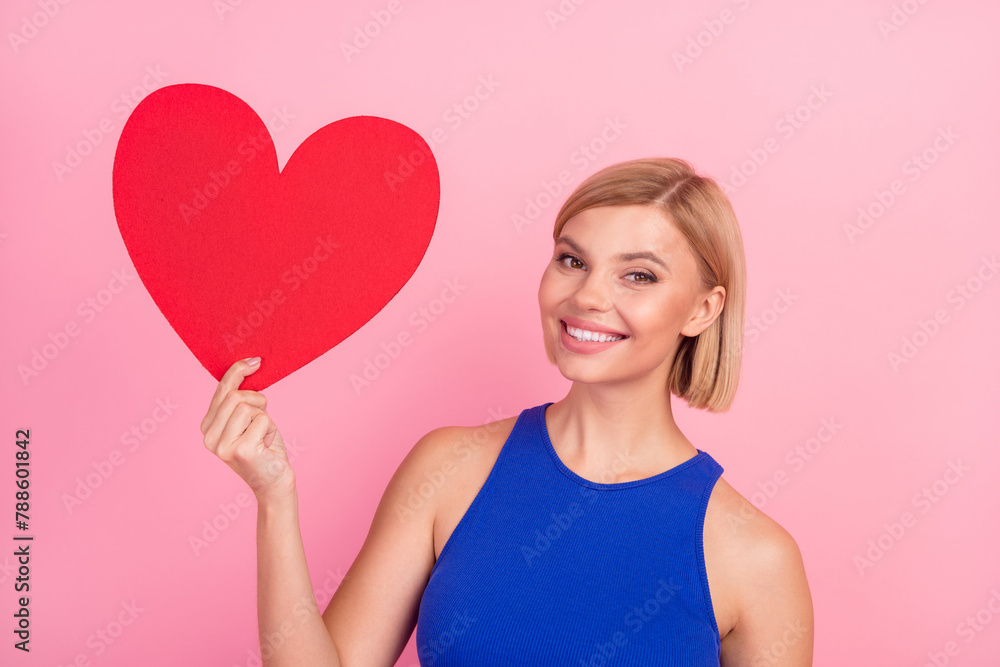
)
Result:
{"points": [[248, 367]]}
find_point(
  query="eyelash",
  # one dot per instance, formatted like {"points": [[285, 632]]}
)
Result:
{"points": [[650, 278]]}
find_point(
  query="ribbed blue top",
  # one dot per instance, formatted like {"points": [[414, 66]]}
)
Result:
{"points": [[549, 568]]}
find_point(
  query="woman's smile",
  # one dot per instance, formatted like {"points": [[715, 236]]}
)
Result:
{"points": [[584, 341]]}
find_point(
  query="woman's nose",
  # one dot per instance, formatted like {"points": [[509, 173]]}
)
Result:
{"points": [[592, 293]]}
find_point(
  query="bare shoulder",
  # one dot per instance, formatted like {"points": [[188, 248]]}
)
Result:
{"points": [[446, 443], [446, 449], [758, 583], [374, 609], [449, 465]]}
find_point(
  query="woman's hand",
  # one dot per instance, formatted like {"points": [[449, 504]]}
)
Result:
{"points": [[239, 431]]}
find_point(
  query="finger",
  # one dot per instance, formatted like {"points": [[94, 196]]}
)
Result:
{"points": [[212, 428], [266, 464], [271, 433], [254, 398], [231, 380], [247, 448], [260, 425], [235, 429], [220, 431], [224, 412]]}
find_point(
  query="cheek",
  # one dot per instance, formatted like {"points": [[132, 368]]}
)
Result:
{"points": [[653, 319], [548, 290], [543, 293]]}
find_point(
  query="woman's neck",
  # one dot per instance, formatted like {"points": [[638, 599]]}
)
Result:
{"points": [[610, 434]]}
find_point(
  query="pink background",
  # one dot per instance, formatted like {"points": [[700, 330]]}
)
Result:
{"points": [[830, 309]]}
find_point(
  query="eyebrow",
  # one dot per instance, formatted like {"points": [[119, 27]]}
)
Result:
{"points": [[622, 257]]}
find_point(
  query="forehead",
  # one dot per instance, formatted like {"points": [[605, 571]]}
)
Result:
{"points": [[621, 229]]}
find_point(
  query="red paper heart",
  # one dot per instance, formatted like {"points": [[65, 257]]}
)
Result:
{"points": [[245, 261]]}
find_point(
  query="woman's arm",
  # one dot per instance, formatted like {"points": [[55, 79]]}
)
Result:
{"points": [[775, 623], [239, 431], [292, 632], [374, 609], [759, 590]]}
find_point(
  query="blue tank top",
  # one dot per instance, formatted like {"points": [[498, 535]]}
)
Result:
{"points": [[548, 568]]}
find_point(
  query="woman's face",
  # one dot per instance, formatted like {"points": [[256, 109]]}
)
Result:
{"points": [[626, 270]]}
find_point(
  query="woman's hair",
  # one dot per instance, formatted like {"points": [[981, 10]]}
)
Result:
{"points": [[706, 368]]}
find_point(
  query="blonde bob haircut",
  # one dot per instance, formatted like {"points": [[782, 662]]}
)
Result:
{"points": [[706, 368]]}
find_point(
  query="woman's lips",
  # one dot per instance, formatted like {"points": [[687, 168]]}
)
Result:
{"points": [[578, 323], [584, 347]]}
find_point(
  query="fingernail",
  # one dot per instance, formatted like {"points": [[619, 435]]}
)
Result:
{"points": [[253, 361]]}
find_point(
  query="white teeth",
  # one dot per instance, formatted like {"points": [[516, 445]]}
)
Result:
{"points": [[583, 335]]}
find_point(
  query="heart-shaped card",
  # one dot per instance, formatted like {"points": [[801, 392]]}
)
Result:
{"points": [[244, 260]]}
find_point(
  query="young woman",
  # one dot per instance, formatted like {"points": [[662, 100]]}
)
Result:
{"points": [[587, 531]]}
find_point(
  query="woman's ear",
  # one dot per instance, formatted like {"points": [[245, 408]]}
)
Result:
{"points": [[705, 311]]}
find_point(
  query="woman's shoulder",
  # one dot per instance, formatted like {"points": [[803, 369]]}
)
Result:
{"points": [[450, 465], [746, 530], [753, 562], [446, 444]]}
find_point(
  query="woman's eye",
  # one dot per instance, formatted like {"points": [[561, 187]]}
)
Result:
{"points": [[562, 260], [641, 277], [646, 277]]}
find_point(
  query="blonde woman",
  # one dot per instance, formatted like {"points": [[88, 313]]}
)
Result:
{"points": [[587, 531]]}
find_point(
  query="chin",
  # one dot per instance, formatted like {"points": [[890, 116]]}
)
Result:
{"points": [[574, 371]]}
